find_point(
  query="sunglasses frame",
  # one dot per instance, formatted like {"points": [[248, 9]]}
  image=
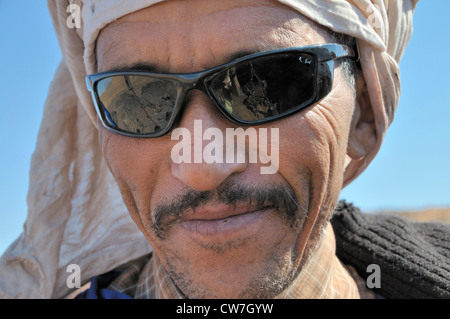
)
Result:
{"points": [[325, 54]]}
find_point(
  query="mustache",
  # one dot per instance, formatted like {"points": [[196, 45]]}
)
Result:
{"points": [[278, 197]]}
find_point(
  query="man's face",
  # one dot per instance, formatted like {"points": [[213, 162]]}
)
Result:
{"points": [[224, 229]]}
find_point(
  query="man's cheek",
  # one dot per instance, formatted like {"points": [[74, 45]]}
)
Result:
{"points": [[108, 144]]}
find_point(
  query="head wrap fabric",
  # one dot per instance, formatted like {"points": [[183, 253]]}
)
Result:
{"points": [[76, 214]]}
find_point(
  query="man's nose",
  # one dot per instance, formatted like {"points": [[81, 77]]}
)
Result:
{"points": [[199, 158]]}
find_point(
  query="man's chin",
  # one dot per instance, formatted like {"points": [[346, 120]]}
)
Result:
{"points": [[226, 277], [240, 260]]}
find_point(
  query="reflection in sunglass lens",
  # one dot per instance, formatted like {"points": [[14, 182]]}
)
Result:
{"points": [[266, 87], [136, 103]]}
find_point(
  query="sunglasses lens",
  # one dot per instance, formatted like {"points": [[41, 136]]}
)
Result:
{"points": [[266, 87], [137, 104]]}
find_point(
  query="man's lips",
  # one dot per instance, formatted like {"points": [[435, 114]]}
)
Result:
{"points": [[218, 212], [222, 223]]}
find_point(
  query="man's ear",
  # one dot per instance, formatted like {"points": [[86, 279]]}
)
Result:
{"points": [[363, 134]]}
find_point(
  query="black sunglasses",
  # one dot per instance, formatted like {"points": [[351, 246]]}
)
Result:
{"points": [[252, 90]]}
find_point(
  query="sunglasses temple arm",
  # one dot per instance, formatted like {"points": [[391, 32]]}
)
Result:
{"points": [[356, 51], [344, 52], [338, 51], [89, 84]]}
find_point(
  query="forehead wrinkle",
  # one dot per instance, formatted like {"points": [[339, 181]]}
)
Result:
{"points": [[110, 31], [107, 59], [116, 49], [182, 8]]}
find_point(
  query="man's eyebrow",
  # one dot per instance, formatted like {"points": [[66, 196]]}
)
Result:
{"points": [[139, 66], [149, 67], [240, 54]]}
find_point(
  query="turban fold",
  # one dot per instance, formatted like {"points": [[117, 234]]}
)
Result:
{"points": [[75, 211]]}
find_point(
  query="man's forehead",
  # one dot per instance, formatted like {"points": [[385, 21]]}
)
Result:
{"points": [[170, 11], [142, 40]]}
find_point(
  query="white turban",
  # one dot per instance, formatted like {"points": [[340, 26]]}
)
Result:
{"points": [[75, 211]]}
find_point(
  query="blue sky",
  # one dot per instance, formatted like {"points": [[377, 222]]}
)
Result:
{"points": [[411, 171]]}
